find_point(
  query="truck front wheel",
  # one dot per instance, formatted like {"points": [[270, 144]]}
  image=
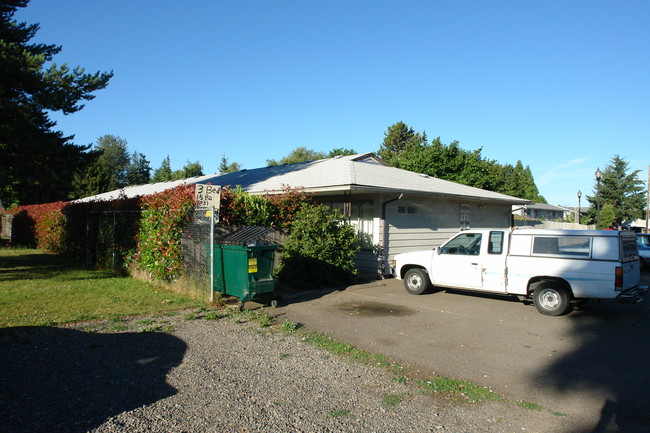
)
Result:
{"points": [[416, 281], [552, 299]]}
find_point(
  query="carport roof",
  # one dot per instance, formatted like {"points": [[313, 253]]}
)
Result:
{"points": [[361, 173]]}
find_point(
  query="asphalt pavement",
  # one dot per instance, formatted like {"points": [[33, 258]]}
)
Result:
{"points": [[590, 365]]}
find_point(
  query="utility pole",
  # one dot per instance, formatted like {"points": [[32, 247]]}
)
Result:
{"points": [[647, 201]]}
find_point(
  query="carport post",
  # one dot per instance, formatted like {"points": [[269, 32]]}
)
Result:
{"points": [[384, 233]]}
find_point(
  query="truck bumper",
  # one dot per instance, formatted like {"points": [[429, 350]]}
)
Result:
{"points": [[633, 295]]}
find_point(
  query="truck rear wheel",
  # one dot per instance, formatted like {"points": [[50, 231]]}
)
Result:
{"points": [[552, 299], [416, 281]]}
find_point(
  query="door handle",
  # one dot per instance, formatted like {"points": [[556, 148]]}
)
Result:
{"points": [[474, 264]]}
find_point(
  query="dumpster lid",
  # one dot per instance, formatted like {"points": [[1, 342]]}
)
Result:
{"points": [[245, 235]]}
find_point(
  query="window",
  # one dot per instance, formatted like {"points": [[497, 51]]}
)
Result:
{"points": [[361, 217], [464, 217], [465, 244], [496, 243], [562, 245], [405, 209]]}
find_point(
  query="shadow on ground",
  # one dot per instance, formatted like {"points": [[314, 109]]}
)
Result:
{"points": [[613, 358], [55, 379]]}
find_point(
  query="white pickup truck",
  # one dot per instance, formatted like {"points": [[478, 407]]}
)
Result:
{"points": [[556, 268]]}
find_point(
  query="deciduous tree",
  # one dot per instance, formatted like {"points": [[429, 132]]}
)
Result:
{"points": [[299, 154], [404, 148]]}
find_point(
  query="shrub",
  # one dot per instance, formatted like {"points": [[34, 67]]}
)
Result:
{"points": [[319, 250], [159, 250], [40, 225], [276, 211]]}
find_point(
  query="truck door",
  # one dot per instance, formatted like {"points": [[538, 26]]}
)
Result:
{"points": [[493, 263], [459, 264]]}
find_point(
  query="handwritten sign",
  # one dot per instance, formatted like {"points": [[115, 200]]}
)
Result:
{"points": [[207, 195]]}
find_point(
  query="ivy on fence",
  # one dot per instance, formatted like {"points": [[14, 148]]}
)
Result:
{"points": [[152, 239], [164, 215], [41, 225]]}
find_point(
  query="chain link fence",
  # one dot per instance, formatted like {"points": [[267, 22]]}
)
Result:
{"points": [[103, 239], [195, 241], [197, 245]]}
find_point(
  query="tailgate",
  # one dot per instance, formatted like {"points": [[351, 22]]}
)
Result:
{"points": [[631, 274], [630, 259]]}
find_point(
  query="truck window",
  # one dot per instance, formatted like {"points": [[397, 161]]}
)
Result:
{"points": [[630, 250], [465, 244], [496, 243], [562, 245]]}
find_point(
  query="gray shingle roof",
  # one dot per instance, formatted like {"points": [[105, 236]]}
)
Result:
{"points": [[355, 173]]}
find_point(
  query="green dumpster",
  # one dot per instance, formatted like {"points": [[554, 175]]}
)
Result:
{"points": [[245, 272]]}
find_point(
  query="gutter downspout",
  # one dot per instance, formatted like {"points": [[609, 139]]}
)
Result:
{"points": [[384, 235]]}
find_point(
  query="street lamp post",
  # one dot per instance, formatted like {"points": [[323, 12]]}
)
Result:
{"points": [[578, 214], [598, 175]]}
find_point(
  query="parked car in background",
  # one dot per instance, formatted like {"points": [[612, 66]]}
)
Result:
{"points": [[644, 239], [644, 254]]}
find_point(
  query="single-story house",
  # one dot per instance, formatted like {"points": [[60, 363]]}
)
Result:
{"points": [[393, 210], [541, 211]]}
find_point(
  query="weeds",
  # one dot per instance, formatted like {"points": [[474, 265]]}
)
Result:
{"points": [[212, 315], [260, 316], [288, 326], [461, 389], [392, 400], [529, 405], [339, 413], [192, 316]]}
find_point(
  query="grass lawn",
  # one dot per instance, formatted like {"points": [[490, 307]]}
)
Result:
{"points": [[41, 289]]}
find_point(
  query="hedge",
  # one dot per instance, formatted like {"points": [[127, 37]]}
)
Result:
{"points": [[150, 237]]}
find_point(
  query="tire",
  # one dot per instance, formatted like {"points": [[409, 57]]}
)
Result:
{"points": [[416, 281], [644, 264], [552, 299]]}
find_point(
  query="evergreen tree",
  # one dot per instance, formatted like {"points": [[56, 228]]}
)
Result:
{"points": [[399, 138], [227, 167], [164, 172], [39, 164], [95, 179], [114, 156], [138, 172], [623, 192]]}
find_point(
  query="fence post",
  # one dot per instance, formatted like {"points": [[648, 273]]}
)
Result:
{"points": [[212, 255]]}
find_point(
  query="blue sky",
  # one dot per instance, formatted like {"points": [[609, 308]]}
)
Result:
{"points": [[560, 85]]}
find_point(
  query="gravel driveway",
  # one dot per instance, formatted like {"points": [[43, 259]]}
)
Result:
{"points": [[225, 375]]}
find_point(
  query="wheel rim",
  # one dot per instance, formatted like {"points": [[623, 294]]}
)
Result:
{"points": [[550, 299], [415, 282]]}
